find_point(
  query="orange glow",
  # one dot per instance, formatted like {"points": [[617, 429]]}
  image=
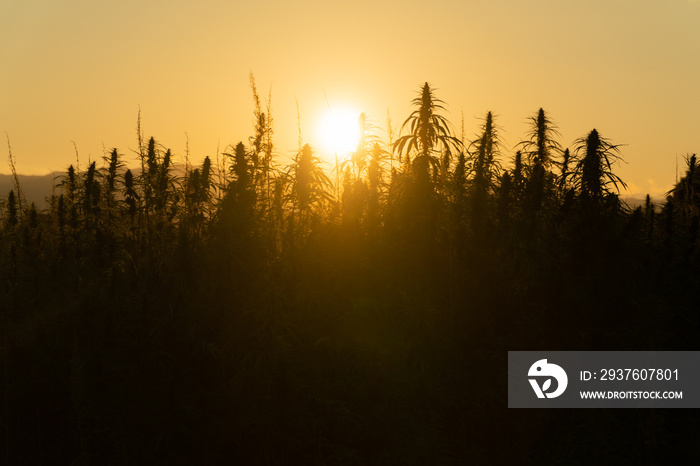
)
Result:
{"points": [[81, 74]]}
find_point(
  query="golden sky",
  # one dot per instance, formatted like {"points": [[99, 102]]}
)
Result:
{"points": [[78, 70]]}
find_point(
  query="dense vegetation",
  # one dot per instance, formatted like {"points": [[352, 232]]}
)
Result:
{"points": [[241, 310]]}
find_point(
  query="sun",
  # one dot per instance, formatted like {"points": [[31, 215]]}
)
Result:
{"points": [[339, 131]]}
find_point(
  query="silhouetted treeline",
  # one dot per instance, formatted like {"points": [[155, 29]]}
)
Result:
{"points": [[239, 310]]}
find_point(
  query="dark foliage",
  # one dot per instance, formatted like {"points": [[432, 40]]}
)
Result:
{"points": [[245, 314]]}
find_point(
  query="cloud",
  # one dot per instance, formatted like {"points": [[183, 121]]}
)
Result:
{"points": [[654, 189], [632, 189], [636, 193]]}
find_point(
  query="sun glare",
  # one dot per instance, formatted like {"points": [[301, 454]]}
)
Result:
{"points": [[339, 131]]}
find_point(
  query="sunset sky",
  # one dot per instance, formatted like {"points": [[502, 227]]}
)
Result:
{"points": [[79, 70]]}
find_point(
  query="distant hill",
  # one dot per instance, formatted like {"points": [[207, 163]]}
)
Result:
{"points": [[35, 189], [38, 188], [634, 202]]}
